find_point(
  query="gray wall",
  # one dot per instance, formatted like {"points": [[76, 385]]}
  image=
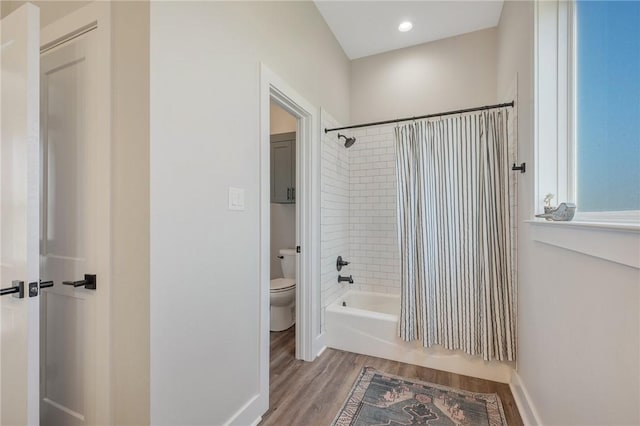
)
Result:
{"points": [[453, 73], [130, 208]]}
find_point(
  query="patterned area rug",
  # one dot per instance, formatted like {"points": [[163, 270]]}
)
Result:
{"points": [[381, 399]]}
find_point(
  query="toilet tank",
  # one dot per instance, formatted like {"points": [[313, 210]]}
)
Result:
{"points": [[288, 263]]}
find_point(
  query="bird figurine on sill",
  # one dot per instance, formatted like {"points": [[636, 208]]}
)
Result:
{"points": [[563, 213]]}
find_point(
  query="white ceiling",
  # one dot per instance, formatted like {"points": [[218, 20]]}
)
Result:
{"points": [[365, 28]]}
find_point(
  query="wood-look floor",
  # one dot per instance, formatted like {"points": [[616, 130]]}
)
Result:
{"points": [[311, 393]]}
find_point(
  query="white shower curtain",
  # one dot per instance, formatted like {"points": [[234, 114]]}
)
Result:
{"points": [[455, 234]]}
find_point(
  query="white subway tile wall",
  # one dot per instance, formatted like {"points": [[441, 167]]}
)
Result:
{"points": [[334, 217], [372, 210]]}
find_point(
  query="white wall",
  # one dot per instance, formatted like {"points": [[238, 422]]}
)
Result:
{"points": [[457, 72], [334, 217], [579, 316], [205, 138]]}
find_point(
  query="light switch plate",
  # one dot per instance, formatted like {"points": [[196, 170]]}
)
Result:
{"points": [[236, 198]]}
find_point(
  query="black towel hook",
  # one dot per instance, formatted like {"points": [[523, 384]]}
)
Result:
{"points": [[522, 167]]}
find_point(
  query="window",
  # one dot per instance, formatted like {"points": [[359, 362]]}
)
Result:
{"points": [[588, 107], [607, 106]]}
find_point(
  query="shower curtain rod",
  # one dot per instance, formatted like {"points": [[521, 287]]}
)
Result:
{"points": [[440, 114]]}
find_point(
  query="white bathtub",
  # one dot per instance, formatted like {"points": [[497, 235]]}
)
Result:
{"points": [[368, 325]]}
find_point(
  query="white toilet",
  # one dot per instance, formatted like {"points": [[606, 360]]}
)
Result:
{"points": [[283, 293]]}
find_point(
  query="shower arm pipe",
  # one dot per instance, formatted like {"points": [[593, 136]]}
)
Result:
{"points": [[420, 117]]}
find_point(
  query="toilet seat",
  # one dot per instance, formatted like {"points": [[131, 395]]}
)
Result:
{"points": [[282, 284]]}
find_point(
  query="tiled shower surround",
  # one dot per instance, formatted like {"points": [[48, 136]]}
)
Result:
{"points": [[373, 237], [334, 215], [358, 216], [359, 213]]}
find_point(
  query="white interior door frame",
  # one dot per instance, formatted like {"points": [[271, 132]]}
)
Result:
{"points": [[272, 87], [96, 16]]}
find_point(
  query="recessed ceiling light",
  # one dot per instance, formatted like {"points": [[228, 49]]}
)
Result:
{"points": [[405, 26]]}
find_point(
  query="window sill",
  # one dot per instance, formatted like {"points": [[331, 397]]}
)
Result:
{"points": [[619, 243]]}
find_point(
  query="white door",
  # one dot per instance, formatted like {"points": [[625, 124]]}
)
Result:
{"points": [[73, 191], [19, 225]]}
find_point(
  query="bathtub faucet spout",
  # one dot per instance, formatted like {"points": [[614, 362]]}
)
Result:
{"points": [[348, 279]]}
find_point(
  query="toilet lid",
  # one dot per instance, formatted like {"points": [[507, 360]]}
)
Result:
{"points": [[282, 283]]}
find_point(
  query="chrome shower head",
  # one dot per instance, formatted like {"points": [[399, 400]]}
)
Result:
{"points": [[348, 142]]}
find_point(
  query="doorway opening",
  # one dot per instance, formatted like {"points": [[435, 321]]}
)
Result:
{"points": [[306, 193], [283, 230], [283, 233]]}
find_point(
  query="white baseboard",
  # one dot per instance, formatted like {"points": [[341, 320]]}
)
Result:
{"points": [[250, 413], [525, 405], [320, 351], [319, 345]]}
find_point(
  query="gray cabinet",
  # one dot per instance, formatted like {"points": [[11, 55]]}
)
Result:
{"points": [[283, 168]]}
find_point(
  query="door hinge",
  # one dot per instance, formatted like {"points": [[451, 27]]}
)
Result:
{"points": [[297, 249]]}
